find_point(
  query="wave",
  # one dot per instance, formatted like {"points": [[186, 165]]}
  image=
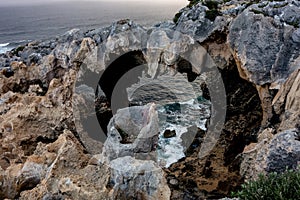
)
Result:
{"points": [[11, 45], [181, 117], [4, 45]]}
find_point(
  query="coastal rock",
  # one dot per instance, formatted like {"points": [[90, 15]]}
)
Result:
{"points": [[271, 154], [262, 42], [262, 47], [129, 151], [141, 179], [45, 155], [195, 22], [132, 132], [281, 144], [284, 152], [286, 102], [57, 167], [67, 172]]}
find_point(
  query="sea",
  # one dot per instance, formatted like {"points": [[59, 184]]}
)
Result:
{"points": [[22, 24]]}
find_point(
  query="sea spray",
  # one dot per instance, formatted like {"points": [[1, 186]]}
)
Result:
{"points": [[179, 117]]}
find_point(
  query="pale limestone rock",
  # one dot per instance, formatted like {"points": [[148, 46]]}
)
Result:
{"points": [[134, 178]]}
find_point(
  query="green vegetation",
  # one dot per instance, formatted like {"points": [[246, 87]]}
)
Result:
{"points": [[18, 49], [285, 186], [212, 14], [281, 6], [211, 4], [124, 136], [248, 4], [213, 11], [257, 12], [177, 16], [193, 2], [295, 23]]}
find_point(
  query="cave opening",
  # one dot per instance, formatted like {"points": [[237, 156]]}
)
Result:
{"points": [[184, 66], [112, 95], [242, 123], [109, 79], [243, 111]]}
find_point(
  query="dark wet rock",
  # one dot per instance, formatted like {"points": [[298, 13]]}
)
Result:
{"points": [[169, 133]]}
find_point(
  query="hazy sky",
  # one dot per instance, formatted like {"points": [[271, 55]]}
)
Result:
{"points": [[35, 2]]}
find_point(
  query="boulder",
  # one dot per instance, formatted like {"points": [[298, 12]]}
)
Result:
{"points": [[132, 132], [272, 153], [141, 179]]}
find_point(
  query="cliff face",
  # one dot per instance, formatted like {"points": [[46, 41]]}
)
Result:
{"points": [[243, 57]]}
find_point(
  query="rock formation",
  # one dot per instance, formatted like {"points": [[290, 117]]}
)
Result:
{"points": [[244, 55]]}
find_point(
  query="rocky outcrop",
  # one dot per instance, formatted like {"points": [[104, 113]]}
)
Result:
{"points": [[286, 102], [277, 148], [56, 170], [132, 132], [271, 154], [141, 179], [244, 55], [264, 44]]}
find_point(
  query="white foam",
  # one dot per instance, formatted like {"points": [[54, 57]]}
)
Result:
{"points": [[4, 45], [4, 49], [192, 113], [201, 124], [171, 148]]}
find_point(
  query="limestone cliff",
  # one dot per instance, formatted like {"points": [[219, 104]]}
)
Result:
{"points": [[63, 136]]}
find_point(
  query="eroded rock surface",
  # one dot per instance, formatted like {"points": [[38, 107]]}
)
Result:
{"points": [[272, 154], [132, 132], [46, 154], [277, 148]]}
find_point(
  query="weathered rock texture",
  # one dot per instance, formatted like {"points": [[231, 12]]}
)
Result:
{"points": [[277, 147], [272, 153], [44, 153]]}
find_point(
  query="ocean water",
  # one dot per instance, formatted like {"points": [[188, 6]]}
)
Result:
{"points": [[180, 107], [179, 117], [22, 24]]}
